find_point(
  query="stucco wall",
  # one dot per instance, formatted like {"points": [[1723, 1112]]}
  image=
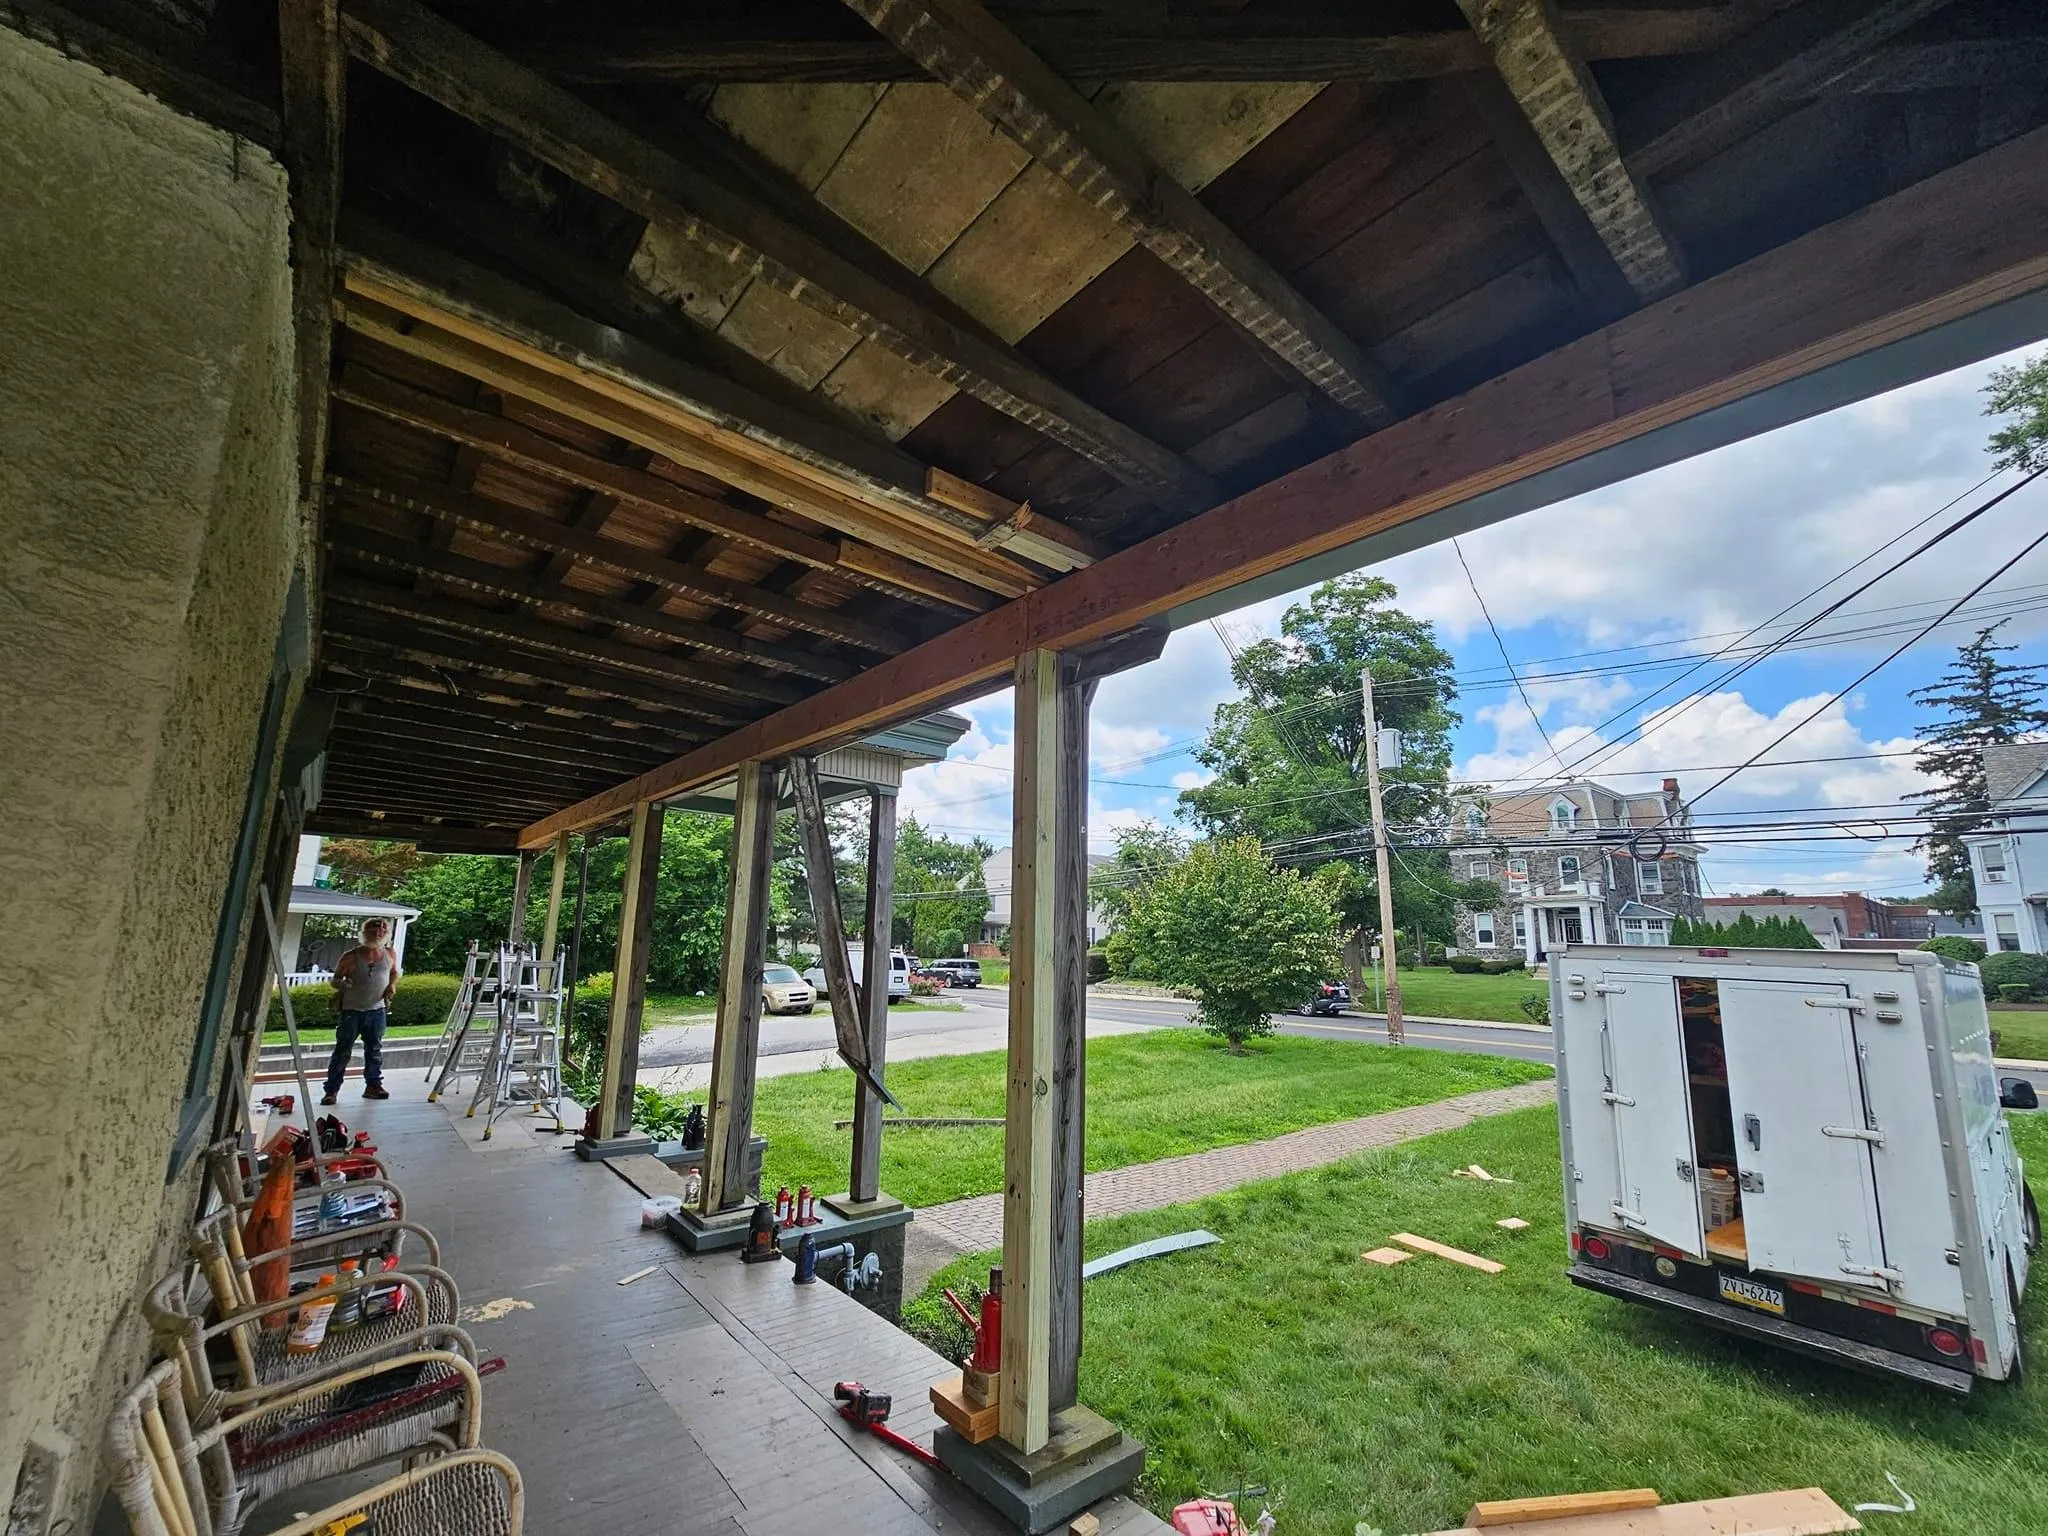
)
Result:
{"points": [[147, 536]]}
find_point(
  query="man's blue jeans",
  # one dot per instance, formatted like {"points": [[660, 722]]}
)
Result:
{"points": [[368, 1023]]}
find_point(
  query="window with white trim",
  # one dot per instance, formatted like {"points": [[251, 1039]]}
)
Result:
{"points": [[1650, 877], [2006, 928], [1480, 869], [1994, 861], [1482, 929], [1568, 869], [1521, 931], [1518, 871], [1475, 819], [1644, 930], [1564, 816]]}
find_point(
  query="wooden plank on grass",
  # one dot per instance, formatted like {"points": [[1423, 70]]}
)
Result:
{"points": [[1558, 1506], [1785, 1512], [1444, 1251], [1511, 1223], [1387, 1256]]}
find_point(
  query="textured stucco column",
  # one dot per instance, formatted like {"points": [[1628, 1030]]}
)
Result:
{"points": [[148, 529]]}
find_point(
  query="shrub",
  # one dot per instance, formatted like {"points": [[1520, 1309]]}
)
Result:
{"points": [[924, 986], [1536, 1007], [1119, 952], [1502, 967], [2010, 969], [1098, 965], [1953, 946], [1467, 965], [2014, 992], [422, 999], [659, 1114]]}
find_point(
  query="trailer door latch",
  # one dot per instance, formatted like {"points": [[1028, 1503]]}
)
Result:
{"points": [[1854, 1133], [1750, 1181], [1604, 990], [1627, 1217], [1846, 1004], [1875, 1272], [1685, 1170], [1619, 1098]]}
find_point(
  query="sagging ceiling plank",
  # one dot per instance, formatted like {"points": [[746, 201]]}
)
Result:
{"points": [[787, 484], [345, 668], [524, 724], [1315, 40], [1557, 94], [428, 55], [1948, 248], [406, 727], [1799, 53], [743, 430], [967, 50]]}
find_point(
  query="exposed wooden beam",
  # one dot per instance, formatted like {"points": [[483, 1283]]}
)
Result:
{"points": [[738, 433], [1949, 249], [1969, 64], [1069, 1077], [501, 520], [968, 50], [369, 545], [736, 1039], [426, 686], [1786, 59], [380, 756], [399, 723], [311, 68], [417, 48], [821, 876], [518, 722], [1556, 92], [429, 836], [1317, 41]]}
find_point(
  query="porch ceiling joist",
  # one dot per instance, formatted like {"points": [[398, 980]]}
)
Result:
{"points": [[420, 50], [973, 54], [489, 748], [1948, 250], [430, 702], [1305, 40], [430, 836], [310, 70], [1556, 92]]}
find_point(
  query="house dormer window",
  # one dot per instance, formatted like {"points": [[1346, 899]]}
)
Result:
{"points": [[1564, 816], [1475, 819]]}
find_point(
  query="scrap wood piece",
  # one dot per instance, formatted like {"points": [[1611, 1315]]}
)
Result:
{"points": [[1387, 1256], [1084, 1524], [1786, 1512], [1200, 1238], [1474, 1171], [1445, 1251], [1558, 1506], [927, 1122], [638, 1274], [972, 1422], [648, 1174], [1511, 1223]]}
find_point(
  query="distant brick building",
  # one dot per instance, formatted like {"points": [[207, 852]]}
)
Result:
{"points": [[1578, 863], [1846, 920]]}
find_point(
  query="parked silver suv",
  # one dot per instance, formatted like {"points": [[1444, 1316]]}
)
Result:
{"points": [[960, 973]]}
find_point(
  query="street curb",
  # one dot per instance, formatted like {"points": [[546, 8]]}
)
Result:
{"points": [[2017, 1064], [1430, 1018]]}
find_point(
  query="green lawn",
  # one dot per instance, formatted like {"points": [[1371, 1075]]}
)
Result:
{"points": [[1437, 990], [1150, 1096], [1400, 1396], [2022, 1033]]}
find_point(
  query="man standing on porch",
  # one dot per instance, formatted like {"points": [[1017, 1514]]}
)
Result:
{"points": [[364, 980]]}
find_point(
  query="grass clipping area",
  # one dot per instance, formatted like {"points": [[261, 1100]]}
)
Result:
{"points": [[2022, 1033], [1398, 1397], [1152, 1095]]}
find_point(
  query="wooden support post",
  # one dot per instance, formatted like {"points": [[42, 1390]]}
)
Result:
{"points": [[522, 893], [730, 1117], [558, 877], [864, 1181], [1070, 1036], [821, 875], [1028, 1107], [629, 973]]}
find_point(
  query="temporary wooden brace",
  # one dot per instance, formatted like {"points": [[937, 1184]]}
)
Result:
{"points": [[729, 1120], [557, 880], [629, 972], [1028, 1105], [1070, 1035], [864, 1180], [522, 891], [821, 875]]}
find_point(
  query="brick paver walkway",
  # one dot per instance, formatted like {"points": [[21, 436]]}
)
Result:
{"points": [[970, 1226]]}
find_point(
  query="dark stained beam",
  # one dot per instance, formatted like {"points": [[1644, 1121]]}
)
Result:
{"points": [[581, 542], [428, 836], [490, 736], [371, 765], [1834, 315], [417, 48], [969, 51], [1557, 94], [1791, 57], [1319, 40], [377, 548], [312, 68], [1953, 64]]}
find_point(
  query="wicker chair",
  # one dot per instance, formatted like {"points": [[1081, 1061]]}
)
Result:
{"points": [[469, 1493], [223, 1162], [179, 1477]]}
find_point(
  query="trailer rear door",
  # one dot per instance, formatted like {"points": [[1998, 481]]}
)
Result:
{"points": [[1652, 1110], [1802, 1132]]}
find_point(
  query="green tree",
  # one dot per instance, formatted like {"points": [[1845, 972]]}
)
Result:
{"points": [[1980, 701], [1143, 853], [1289, 757], [1246, 937], [365, 866], [941, 893], [2020, 391]]}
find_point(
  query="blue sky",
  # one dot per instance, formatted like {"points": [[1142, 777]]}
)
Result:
{"points": [[1710, 547]]}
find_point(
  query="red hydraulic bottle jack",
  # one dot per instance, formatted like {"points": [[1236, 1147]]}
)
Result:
{"points": [[987, 1358]]}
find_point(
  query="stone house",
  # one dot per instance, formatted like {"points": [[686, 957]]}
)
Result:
{"points": [[1577, 863]]}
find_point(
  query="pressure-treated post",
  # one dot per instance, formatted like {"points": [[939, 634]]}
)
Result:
{"points": [[558, 876], [1026, 1395], [729, 1121], [522, 889], [864, 1181], [1070, 1039], [629, 972]]}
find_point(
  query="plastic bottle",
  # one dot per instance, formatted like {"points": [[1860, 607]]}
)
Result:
{"points": [[309, 1330], [348, 1309], [330, 1199]]}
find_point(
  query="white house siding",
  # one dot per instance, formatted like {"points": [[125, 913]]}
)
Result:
{"points": [[2009, 858]]}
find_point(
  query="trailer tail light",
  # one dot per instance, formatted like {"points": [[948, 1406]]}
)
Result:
{"points": [[1575, 1242], [1977, 1349], [1597, 1248], [1945, 1341]]}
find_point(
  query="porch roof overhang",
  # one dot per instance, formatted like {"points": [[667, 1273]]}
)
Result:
{"points": [[695, 391], [318, 901]]}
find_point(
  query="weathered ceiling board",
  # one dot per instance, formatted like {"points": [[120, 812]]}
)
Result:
{"points": [[930, 181]]}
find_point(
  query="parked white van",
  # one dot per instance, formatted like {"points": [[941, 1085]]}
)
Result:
{"points": [[899, 972], [1805, 1147]]}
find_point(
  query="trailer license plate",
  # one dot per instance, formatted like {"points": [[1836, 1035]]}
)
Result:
{"points": [[1747, 1293]]}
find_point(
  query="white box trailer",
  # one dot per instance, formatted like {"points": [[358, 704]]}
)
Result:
{"points": [[1805, 1147]]}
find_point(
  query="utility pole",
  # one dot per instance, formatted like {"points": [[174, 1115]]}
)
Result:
{"points": [[1380, 859]]}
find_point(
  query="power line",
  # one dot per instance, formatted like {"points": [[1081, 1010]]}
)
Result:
{"points": [[1502, 646]]}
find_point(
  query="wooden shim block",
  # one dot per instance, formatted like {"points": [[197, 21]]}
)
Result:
{"points": [[1558, 1506], [1511, 1223], [1443, 1251], [1479, 1172], [972, 1424], [1084, 1524], [638, 1274], [1387, 1256]]}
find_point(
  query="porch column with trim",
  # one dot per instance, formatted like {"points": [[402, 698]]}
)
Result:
{"points": [[729, 1115], [629, 972]]}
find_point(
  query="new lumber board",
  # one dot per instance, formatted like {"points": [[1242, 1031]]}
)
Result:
{"points": [[1446, 1251], [1785, 1512], [1558, 1506]]}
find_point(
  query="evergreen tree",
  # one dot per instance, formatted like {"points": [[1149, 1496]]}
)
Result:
{"points": [[2020, 392], [1980, 701]]}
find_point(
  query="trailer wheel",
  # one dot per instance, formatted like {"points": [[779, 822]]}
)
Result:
{"points": [[2030, 1220]]}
